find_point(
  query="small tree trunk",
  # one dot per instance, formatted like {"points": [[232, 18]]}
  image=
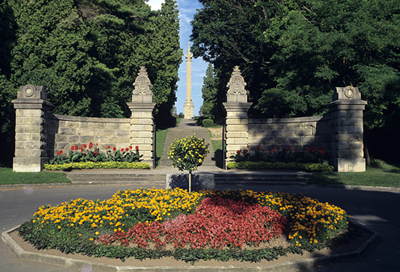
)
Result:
{"points": [[190, 182]]}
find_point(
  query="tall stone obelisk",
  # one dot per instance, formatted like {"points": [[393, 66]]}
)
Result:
{"points": [[188, 103]]}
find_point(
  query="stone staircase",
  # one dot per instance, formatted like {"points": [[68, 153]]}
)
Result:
{"points": [[222, 178], [142, 179], [264, 178]]}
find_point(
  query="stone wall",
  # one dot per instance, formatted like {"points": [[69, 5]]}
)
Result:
{"points": [[65, 131], [40, 134], [297, 132], [340, 131]]}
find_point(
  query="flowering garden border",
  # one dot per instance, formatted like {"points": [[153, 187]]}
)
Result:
{"points": [[90, 157], [80, 225], [308, 159]]}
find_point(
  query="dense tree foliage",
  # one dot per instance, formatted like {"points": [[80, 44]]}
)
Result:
{"points": [[209, 93], [294, 53], [87, 54]]}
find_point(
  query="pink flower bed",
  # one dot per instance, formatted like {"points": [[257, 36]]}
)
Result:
{"points": [[217, 223]]}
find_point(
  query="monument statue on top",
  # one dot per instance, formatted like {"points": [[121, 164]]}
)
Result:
{"points": [[188, 103]]}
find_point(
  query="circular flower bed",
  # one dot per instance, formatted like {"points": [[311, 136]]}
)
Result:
{"points": [[199, 225]]}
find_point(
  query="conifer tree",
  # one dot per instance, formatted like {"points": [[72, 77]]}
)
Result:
{"points": [[209, 92]]}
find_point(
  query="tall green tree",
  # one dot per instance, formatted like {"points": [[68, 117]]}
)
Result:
{"points": [[164, 57], [294, 53], [209, 92], [87, 54]]}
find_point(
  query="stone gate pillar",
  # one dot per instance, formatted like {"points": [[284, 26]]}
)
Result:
{"points": [[347, 146], [31, 108], [236, 107], [142, 124]]}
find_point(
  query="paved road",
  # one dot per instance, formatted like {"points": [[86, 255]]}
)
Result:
{"points": [[376, 210]]}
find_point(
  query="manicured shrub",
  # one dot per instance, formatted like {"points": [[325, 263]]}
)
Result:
{"points": [[207, 123], [97, 165], [309, 167]]}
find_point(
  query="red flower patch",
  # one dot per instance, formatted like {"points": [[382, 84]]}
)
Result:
{"points": [[217, 222]]}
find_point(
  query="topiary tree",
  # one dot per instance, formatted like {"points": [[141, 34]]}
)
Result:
{"points": [[188, 154]]}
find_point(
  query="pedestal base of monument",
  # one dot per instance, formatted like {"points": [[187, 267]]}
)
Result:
{"points": [[348, 164], [199, 181], [29, 164]]}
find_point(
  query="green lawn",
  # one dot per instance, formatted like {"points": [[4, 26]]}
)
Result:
{"points": [[9, 177], [161, 135], [379, 174]]}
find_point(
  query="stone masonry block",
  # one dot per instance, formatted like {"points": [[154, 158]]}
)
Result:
{"points": [[103, 140], [258, 134], [141, 141], [233, 121], [100, 125], [72, 124], [67, 131], [235, 128], [355, 129], [347, 138], [136, 115], [28, 121], [73, 139], [61, 138], [134, 134], [146, 122], [23, 137], [348, 164], [340, 130], [86, 132], [350, 153], [277, 133], [306, 140], [30, 153], [85, 139], [83, 124], [122, 133], [27, 129], [145, 134], [355, 114], [323, 130], [238, 135], [138, 127], [356, 146], [31, 112], [348, 122]]}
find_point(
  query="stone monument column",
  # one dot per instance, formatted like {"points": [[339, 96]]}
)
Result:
{"points": [[188, 103], [31, 108], [347, 130], [236, 107], [142, 124]]}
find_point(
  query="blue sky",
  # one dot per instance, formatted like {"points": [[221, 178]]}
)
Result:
{"points": [[187, 9]]}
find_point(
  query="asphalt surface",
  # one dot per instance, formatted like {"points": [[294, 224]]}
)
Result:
{"points": [[376, 210]]}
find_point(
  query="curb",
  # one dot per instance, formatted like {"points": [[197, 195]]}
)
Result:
{"points": [[349, 187], [36, 185], [358, 187], [95, 266]]}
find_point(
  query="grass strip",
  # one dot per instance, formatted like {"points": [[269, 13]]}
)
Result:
{"points": [[385, 176], [161, 135], [8, 177]]}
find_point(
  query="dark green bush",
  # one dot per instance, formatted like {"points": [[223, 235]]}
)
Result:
{"points": [[309, 167], [207, 123]]}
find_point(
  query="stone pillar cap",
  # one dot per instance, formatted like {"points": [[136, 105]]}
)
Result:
{"points": [[346, 93], [142, 92], [236, 91]]}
